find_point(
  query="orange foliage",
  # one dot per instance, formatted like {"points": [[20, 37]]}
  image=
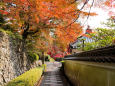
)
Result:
{"points": [[59, 14], [68, 35], [109, 3]]}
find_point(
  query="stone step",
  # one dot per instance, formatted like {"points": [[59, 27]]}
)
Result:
{"points": [[53, 77]]}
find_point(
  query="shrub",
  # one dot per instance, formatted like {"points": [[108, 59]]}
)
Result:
{"points": [[33, 56], [50, 59], [29, 78]]}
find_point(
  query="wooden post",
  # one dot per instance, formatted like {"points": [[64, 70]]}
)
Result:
{"points": [[43, 58], [83, 41]]}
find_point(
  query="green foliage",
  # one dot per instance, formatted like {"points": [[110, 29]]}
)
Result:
{"points": [[1, 20], [7, 27], [30, 46], [103, 37], [11, 34], [110, 23], [50, 59], [44, 67], [33, 56], [5, 24], [89, 46], [37, 57], [29, 78]]}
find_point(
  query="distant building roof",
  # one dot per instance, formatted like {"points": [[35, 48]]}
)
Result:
{"points": [[85, 35]]}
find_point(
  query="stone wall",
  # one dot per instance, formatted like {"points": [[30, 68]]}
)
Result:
{"points": [[11, 60]]}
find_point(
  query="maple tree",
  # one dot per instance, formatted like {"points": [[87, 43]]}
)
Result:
{"points": [[32, 17]]}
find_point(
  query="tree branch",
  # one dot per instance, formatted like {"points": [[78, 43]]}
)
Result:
{"points": [[78, 11], [89, 11]]}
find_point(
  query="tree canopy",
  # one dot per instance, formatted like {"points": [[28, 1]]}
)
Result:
{"points": [[44, 21]]}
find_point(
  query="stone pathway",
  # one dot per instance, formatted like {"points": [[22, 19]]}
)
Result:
{"points": [[53, 76]]}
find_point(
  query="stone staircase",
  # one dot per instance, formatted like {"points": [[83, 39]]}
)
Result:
{"points": [[53, 76]]}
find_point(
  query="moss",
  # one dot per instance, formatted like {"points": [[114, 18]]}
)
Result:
{"points": [[62, 61], [50, 59], [33, 57], [37, 57], [11, 34], [29, 78], [2, 30]]}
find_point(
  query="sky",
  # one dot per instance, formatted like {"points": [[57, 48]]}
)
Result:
{"points": [[102, 15], [96, 21]]}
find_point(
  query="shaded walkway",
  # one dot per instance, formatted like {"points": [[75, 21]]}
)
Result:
{"points": [[53, 76]]}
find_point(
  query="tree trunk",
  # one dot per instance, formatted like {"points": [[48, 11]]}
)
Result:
{"points": [[83, 45], [43, 58]]}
